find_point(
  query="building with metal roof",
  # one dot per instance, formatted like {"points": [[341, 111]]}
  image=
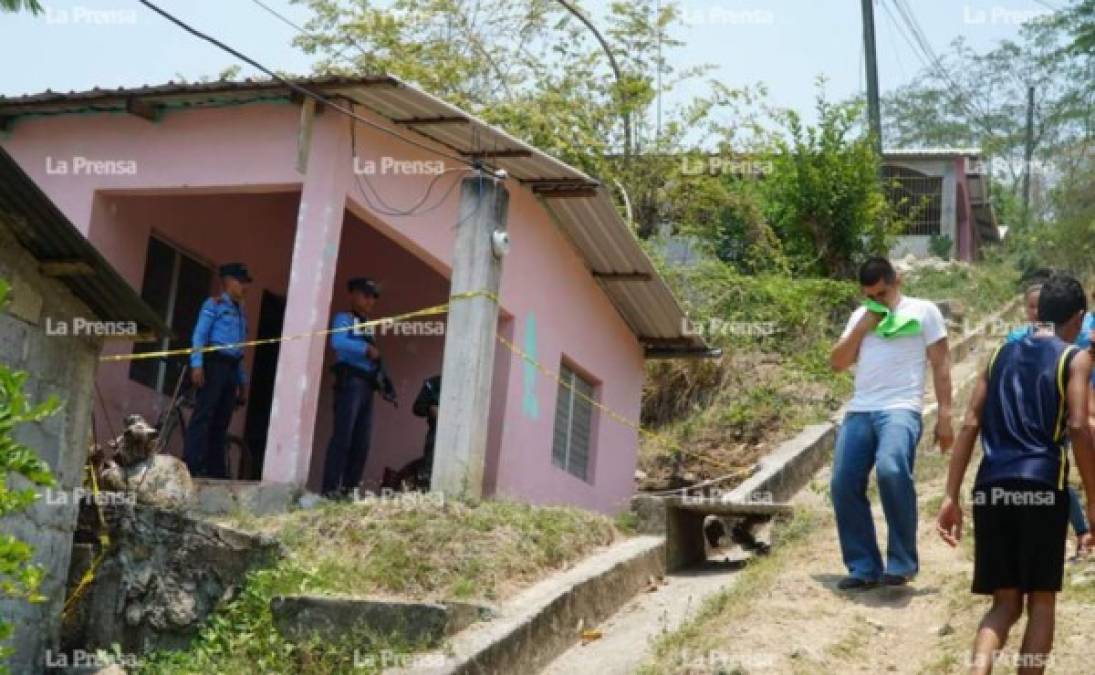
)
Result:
{"points": [[169, 181]]}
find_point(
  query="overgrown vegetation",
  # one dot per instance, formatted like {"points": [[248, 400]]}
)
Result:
{"points": [[21, 471], [413, 548], [715, 416]]}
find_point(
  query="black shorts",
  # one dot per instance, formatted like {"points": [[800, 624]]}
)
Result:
{"points": [[1019, 529]]}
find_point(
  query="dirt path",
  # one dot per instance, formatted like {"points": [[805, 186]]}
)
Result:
{"points": [[796, 621]]}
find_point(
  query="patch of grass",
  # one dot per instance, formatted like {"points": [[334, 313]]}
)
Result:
{"points": [[982, 288], [413, 549], [428, 548]]}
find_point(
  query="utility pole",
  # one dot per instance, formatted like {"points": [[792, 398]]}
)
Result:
{"points": [[874, 110], [467, 371], [1028, 155]]}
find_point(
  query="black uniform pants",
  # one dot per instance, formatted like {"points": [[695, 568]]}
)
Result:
{"points": [[349, 446], [205, 436]]}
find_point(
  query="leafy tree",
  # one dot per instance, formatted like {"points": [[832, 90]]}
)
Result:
{"points": [[535, 70], [18, 578], [823, 197], [31, 6]]}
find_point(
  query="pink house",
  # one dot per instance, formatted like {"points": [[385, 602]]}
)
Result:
{"points": [[169, 181]]}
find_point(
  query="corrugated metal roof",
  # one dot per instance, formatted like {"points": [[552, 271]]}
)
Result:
{"points": [[938, 152], [581, 207], [51, 238]]}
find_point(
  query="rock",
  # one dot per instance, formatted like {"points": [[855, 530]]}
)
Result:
{"points": [[163, 574], [132, 464], [162, 481], [309, 500]]}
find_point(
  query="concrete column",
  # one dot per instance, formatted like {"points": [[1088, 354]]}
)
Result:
{"points": [[315, 257], [948, 225], [461, 446]]}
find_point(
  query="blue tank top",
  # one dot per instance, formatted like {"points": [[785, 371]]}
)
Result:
{"points": [[1025, 415]]}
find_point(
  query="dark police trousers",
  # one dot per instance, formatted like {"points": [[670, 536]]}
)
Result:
{"points": [[349, 446], [205, 436]]}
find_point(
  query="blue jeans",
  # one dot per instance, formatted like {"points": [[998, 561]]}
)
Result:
{"points": [[885, 439], [1076, 512], [349, 446]]}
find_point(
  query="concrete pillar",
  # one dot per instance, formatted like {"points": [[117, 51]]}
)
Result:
{"points": [[311, 279], [461, 446], [948, 221]]}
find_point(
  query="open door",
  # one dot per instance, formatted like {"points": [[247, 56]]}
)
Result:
{"points": [[261, 393]]}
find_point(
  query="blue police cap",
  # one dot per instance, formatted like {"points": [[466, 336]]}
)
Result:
{"points": [[365, 285], [235, 269]]}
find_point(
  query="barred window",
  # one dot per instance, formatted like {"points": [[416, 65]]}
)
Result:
{"points": [[571, 446], [917, 198]]}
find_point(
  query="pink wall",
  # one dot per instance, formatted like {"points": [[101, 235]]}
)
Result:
{"points": [[262, 232], [407, 285], [252, 149]]}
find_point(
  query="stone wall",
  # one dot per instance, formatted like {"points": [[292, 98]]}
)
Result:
{"points": [[65, 367], [164, 573]]}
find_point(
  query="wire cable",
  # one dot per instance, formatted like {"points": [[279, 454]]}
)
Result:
{"points": [[303, 91], [385, 208]]}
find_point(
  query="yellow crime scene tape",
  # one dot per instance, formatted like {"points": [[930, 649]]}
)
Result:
{"points": [[104, 546], [665, 441], [670, 443]]}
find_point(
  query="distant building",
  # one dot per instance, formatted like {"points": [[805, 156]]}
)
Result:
{"points": [[944, 195]]}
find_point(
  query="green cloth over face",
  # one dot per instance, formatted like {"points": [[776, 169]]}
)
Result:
{"points": [[892, 324]]}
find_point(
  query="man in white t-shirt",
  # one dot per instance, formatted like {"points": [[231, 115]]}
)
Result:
{"points": [[890, 344]]}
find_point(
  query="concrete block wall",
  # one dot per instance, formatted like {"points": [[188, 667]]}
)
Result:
{"points": [[65, 367]]}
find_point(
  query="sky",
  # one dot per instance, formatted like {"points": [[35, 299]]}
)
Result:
{"points": [[785, 44]]}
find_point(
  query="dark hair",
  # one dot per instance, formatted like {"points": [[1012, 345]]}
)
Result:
{"points": [[876, 269], [1062, 297]]}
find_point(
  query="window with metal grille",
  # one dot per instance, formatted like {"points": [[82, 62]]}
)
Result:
{"points": [[916, 197], [175, 285], [572, 443]]}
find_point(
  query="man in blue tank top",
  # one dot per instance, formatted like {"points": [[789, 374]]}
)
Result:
{"points": [[1033, 392]]}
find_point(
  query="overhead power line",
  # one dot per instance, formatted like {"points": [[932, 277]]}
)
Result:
{"points": [[303, 91], [935, 64]]}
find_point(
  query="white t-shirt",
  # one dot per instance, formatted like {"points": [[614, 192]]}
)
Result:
{"points": [[890, 371]]}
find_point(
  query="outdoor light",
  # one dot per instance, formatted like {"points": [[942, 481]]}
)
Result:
{"points": [[499, 243]]}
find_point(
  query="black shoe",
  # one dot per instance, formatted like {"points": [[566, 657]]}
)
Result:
{"points": [[855, 584], [894, 580]]}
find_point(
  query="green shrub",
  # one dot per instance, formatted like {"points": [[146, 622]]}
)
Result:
{"points": [[18, 578]]}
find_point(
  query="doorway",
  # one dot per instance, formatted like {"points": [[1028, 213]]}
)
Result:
{"points": [[261, 394]]}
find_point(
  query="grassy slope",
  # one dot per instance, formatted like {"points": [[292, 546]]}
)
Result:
{"points": [[717, 416], [413, 549]]}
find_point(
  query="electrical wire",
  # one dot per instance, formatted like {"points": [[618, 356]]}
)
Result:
{"points": [[386, 209], [934, 63], [303, 91]]}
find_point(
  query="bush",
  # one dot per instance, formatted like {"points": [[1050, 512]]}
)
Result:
{"points": [[18, 578]]}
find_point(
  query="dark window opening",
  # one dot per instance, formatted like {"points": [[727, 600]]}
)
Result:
{"points": [[175, 285]]}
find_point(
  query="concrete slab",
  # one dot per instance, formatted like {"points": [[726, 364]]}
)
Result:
{"points": [[540, 623]]}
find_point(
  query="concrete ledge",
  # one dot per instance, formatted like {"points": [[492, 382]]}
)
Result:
{"points": [[223, 497], [301, 618], [540, 623]]}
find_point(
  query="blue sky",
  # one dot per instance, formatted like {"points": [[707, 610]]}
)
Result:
{"points": [[783, 43]]}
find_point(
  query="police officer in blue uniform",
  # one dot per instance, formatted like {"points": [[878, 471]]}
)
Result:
{"points": [[218, 375], [356, 372]]}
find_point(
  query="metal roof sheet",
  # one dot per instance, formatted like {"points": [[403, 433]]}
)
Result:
{"points": [[51, 237], [583, 209]]}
